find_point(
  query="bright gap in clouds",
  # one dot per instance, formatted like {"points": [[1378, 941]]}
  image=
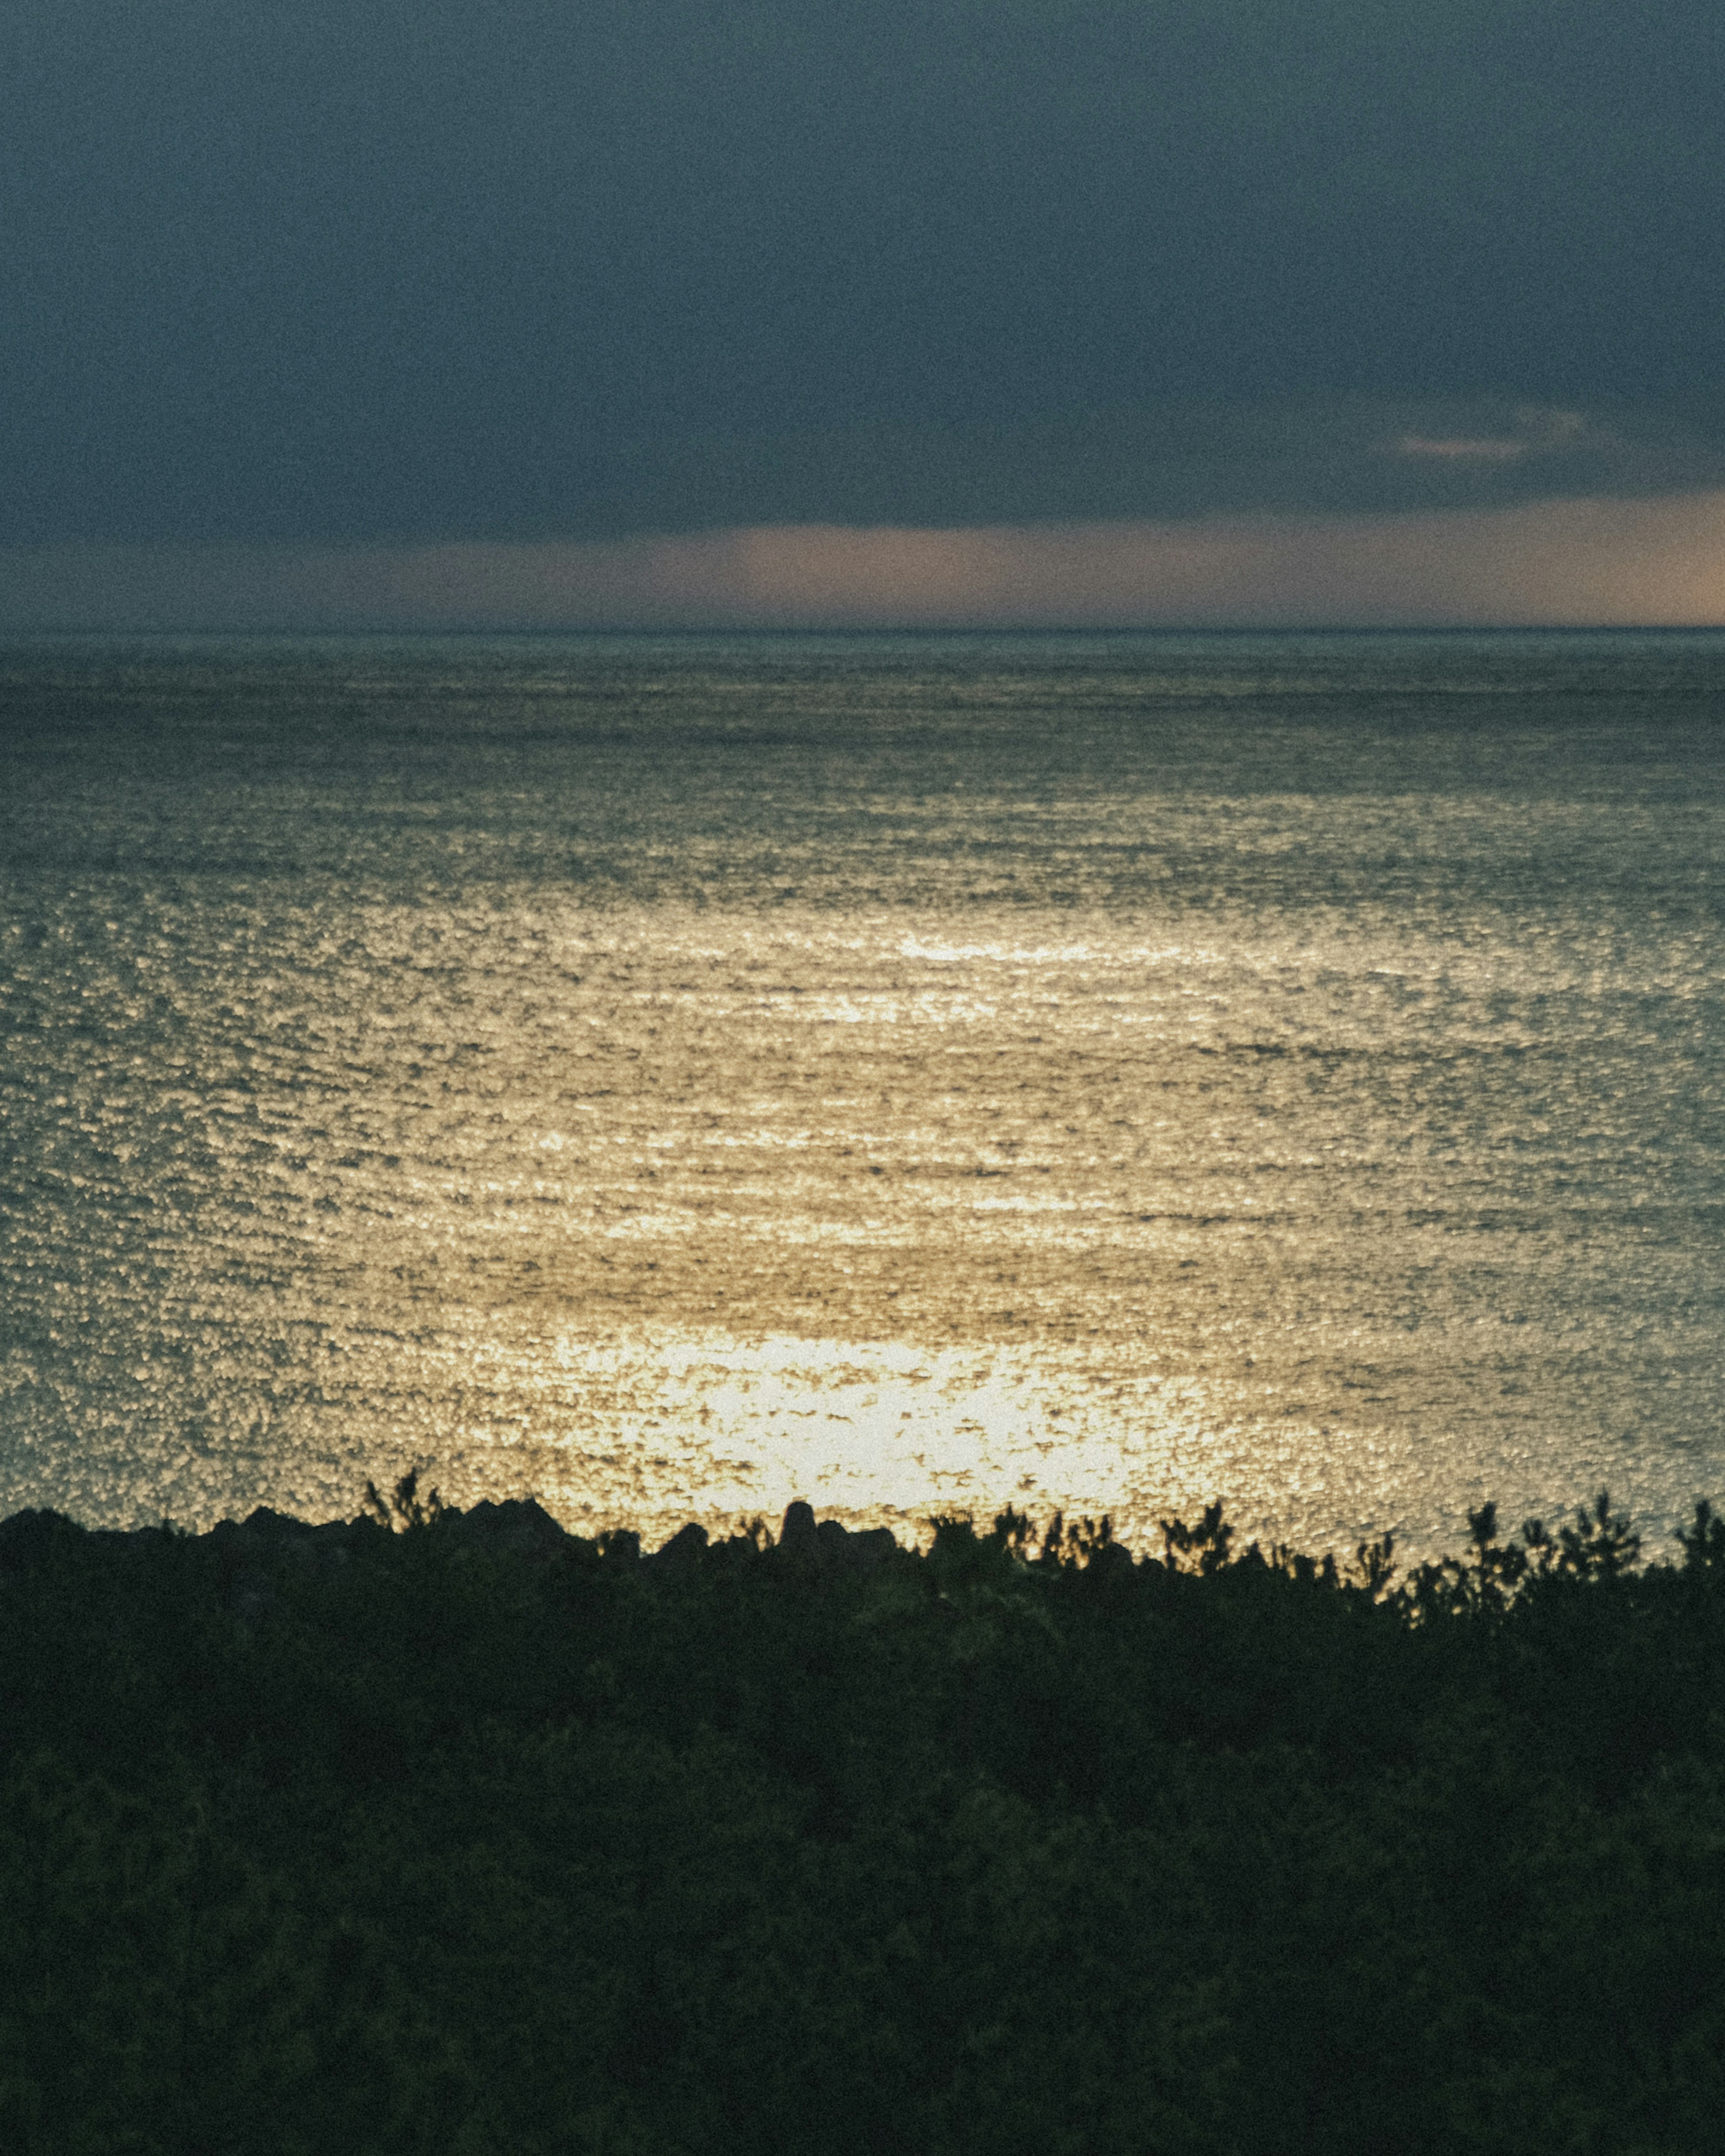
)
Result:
{"points": [[1658, 561]]}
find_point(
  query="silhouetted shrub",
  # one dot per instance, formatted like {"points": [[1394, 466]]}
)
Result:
{"points": [[445, 1831]]}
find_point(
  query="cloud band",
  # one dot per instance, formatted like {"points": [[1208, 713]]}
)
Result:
{"points": [[1658, 562]]}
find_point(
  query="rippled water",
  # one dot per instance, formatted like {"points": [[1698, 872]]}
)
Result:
{"points": [[675, 1076]]}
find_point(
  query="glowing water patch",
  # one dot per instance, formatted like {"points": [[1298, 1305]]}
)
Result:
{"points": [[876, 1429]]}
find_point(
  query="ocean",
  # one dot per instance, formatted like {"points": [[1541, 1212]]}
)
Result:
{"points": [[671, 1075]]}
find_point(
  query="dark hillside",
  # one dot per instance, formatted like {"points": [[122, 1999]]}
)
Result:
{"points": [[445, 1832]]}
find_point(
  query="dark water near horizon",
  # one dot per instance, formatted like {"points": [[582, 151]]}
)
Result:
{"points": [[676, 1074]]}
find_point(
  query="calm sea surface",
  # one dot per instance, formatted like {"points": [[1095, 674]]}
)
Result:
{"points": [[676, 1075]]}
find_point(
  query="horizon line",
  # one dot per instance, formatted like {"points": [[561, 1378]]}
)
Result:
{"points": [[551, 631]]}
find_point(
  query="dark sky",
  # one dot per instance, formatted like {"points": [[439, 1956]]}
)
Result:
{"points": [[385, 269]]}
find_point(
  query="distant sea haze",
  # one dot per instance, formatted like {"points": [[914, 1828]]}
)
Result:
{"points": [[913, 1073]]}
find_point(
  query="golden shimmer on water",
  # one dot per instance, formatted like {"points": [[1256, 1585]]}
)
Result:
{"points": [[676, 1081]]}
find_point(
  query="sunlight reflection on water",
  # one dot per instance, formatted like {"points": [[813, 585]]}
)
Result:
{"points": [[670, 1081]]}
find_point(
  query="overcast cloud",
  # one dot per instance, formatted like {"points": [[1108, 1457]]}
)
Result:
{"points": [[409, 273]]}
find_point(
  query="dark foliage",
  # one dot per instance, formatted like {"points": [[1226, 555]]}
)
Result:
{"points": [[451, 1832]]}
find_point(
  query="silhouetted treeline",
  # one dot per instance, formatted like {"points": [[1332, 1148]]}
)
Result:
{"points": [[454, 1832]]}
